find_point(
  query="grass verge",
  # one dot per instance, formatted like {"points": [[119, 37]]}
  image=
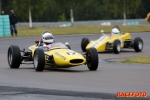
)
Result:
{"points": [[137, 59], [36, 31]]}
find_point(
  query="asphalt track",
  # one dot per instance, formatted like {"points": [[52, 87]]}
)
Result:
{"points": [[76, 82]]}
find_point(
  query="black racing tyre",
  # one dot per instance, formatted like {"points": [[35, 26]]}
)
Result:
{"points": [[84, 43], [39, 59], [14, 56], [116, 46], [92, 59], [138, 44]]}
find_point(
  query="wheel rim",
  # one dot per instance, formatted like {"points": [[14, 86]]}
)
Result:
{"points": [[10, 57], [35, 60], [140, 45], [118, 47]]}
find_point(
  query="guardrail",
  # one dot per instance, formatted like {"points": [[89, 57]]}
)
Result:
{"points": [[129, 22]]}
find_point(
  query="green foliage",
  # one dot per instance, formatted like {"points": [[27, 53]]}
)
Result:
{"points": [[65, 6], [62, 18], [6, 6], [91, 11], [142, 10], [59, 10], [69, 4], [36, 31], [137, 59], [117, 7], [22, 7]]}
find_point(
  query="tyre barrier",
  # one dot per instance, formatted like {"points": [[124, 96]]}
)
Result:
{"points": [[6, 32], [1, 21], [1, 32], [132, 23], [1, 26], [4, 25]]}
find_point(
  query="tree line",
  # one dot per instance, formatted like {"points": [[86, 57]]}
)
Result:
{"points": [[83, 10]]}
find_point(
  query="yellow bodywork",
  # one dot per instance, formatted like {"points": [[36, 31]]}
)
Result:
{"points": [[62, 57], [147, 17], [100, 44]]}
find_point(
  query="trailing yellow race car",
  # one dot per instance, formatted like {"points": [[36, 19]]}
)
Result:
{"points": [[57, 55], [114, 41]]}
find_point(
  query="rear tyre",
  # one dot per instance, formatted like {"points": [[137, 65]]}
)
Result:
{"points": [[116, 47], [84, 43], [39, 59], [14, 56], [92, 59], [138, 44]]}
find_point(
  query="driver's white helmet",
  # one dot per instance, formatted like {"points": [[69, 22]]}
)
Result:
{"points": [[47, 37], [115, 31]]}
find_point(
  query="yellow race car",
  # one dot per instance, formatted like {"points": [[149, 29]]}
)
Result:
{"points": [[114, 41], [59, 55]]}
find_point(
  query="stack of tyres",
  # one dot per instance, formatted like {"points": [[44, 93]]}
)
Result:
{"points": [[1, 27], [6, 25]]}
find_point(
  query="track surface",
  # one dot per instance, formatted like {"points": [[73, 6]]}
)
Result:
{"points": [[76, 82]]}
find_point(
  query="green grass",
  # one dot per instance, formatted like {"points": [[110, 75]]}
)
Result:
{"points": [[137, 59], [36, 31]]}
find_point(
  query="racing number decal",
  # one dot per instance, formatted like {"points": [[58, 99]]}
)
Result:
{"points": [[99, 42], [59, 55]]}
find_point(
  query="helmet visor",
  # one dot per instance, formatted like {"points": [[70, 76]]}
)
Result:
{"points": [[48, 37]]}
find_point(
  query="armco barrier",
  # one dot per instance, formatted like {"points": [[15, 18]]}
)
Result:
{"points": [[83, 23]]}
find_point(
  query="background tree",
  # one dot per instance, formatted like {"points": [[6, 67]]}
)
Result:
{"points": [[142, 10], [37, 6], [69, 4], [6, 5], [51, 13], [116, 8], [59, 10], [93, 10]]}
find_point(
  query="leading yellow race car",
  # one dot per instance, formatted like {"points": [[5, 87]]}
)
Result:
{"points": [[59, 55], [114, 41]]}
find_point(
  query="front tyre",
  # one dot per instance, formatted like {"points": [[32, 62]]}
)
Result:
{"points": [[84, 43], [39, 59], [14, 56], [138, 44], [92, 59], [116, 46]]}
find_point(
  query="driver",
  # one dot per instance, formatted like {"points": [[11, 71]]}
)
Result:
{"points": [[47, 39], [115, 31]]}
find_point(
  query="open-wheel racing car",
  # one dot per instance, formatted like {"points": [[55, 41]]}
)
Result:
{"points": [[114, 41], [59, 55]]}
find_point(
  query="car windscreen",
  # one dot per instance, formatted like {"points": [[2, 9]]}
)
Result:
{"points": [[58, 45]]}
